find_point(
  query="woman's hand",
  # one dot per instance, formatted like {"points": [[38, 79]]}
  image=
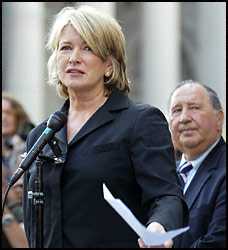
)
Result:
{"points": [[156, 227]]}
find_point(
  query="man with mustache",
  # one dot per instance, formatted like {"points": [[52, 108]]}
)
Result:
{"points": [[196, 120]]}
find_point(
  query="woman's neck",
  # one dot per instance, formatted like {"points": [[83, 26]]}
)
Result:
{"points": [[86, 102]]}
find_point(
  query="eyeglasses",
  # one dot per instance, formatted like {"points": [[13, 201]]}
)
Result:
{"points": [[10, 112]]}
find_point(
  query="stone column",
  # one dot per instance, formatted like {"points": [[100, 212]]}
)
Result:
{"points": [[160, 52], [23, 55]]}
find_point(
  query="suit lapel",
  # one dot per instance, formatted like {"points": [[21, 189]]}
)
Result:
{"points": [[98, 119], [197, 184], [101, 117], [202, 175], [116, 101]]}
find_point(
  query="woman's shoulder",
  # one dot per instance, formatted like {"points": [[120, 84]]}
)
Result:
{"points": [[119, 99], [144, 108]]}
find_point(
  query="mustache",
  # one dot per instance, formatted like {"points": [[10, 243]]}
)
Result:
{"points": [[186, 128]]}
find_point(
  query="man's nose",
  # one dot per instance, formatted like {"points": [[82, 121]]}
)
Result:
{"points": [[185, 116]]}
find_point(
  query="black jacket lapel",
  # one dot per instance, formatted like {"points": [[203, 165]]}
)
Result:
{"points": [[116, 101]]}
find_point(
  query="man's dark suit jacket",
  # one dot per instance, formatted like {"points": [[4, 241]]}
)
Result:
{"points": [[128, 147], [206, 199]]}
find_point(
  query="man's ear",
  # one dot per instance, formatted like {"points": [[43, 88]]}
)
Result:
{"points": [[220, 119]]}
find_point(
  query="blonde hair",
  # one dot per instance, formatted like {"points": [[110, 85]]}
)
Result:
{"points": [[103, 35]]}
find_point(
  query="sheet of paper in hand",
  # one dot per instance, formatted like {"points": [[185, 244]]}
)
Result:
{"points": [[149, 238]]}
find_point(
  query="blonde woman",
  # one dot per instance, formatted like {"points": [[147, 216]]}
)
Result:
{"points": [[107, 139]]}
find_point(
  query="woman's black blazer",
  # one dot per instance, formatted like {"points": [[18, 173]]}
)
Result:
{"points": [[125, 145]]}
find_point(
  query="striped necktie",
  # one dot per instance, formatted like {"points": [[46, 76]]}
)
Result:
{"points": [[183, 171]]}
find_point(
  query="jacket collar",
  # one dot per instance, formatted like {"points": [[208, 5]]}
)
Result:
{"points": [[116, 101], [203, 173]]}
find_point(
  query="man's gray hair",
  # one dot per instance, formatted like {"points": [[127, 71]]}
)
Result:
{"points": [[212, 95]]}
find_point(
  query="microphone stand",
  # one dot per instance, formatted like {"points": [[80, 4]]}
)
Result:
{"points": [[38, 201], [38, 196]]}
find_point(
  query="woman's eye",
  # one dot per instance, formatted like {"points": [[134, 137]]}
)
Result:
{"points": [[65, 48], [87, 48]]}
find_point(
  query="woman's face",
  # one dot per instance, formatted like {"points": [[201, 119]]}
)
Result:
{"points": [[9, 119], [78, 67]]}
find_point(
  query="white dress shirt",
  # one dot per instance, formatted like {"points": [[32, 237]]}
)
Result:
{"points": [[195, 164]]}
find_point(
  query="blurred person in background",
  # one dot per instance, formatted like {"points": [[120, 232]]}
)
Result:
{"points": [[15, 127], [196, 121], [108, 139], [13, 233]]}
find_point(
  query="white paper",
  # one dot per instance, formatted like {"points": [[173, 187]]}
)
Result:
{"points": [[148, 237]]}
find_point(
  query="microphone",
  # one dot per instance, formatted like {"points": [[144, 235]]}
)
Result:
{"points": [[55, 122]]}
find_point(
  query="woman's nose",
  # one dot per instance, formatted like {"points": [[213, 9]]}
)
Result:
{"points": [[75, 56]]}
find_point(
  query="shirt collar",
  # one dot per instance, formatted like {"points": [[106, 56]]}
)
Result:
{"points": [[197, 162]]}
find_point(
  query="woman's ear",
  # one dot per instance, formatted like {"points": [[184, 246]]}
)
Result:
{"points": [[109, 68]]}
